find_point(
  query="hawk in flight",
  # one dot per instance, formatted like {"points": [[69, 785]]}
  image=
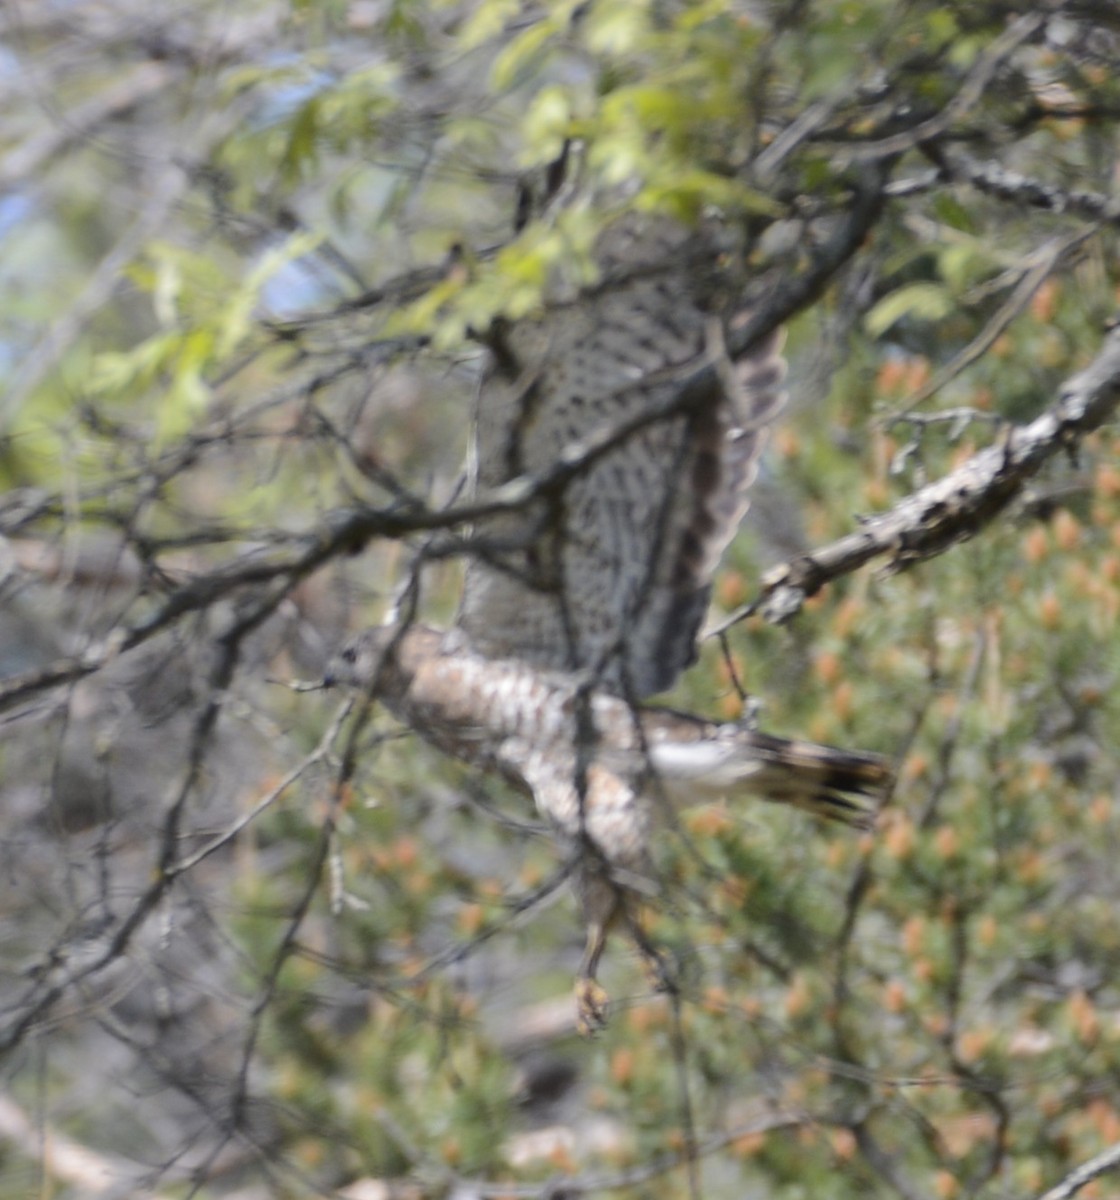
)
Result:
{"points": [[637, 438]]}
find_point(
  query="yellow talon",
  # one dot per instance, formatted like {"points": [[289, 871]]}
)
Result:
{"points": [[591, 1006]]}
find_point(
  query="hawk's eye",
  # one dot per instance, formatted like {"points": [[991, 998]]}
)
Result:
{"points": [[350, 654]]}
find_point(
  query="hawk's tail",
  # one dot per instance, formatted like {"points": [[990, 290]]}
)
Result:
{"points": [[839, 785]]}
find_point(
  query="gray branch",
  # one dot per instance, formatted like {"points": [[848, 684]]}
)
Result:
{"points": [[995, 180], [1107, 1160], [954, 508]]}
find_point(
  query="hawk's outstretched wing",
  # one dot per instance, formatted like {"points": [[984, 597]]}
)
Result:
{"points": [[612, 571]]}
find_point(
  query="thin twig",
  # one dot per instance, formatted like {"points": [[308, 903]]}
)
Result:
{"points": [[972, 89], [321, 751], [1043, 264]]}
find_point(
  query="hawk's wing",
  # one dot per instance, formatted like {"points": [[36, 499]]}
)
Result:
{"points": [[612, 572]]}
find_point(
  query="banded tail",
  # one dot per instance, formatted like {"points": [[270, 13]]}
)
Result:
{"points": [[838, 785]]}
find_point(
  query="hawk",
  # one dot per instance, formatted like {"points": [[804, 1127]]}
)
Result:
{"points": [[642, 437]]}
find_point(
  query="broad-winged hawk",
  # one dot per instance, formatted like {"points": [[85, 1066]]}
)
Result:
{"points": [[638, 439]]}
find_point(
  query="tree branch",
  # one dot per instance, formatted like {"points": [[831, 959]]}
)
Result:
{"points": [[976, 82], [347, 531], [63, 1160], [929, 521], [995, 180], [1107, 1160]]}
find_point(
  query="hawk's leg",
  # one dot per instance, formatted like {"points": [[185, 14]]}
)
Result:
{"points": [[605, 903], [602, 902], [591, 996]]}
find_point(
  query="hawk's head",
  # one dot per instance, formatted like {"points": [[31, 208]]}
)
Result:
{"points": [[381, 660]]}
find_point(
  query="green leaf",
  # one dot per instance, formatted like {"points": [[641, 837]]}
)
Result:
{"points": [[617, 28], [421, 314], [189, 396], [235, 320], [926, 301], [522, 53], [687, 192], [121, 371], [487, 21], [303, 140], [545, 126], [962, 265]]}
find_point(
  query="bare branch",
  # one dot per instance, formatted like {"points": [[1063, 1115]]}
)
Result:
{"points": [[1107, 1160], [1036, 270], [929, 521], [48, 988], [31, 156], [995, 180]]}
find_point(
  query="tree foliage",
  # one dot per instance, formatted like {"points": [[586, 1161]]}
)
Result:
{"points": [[257, 940]]}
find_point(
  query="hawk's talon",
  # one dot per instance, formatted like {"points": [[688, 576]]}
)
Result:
{"points": [[591, 1006]]}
